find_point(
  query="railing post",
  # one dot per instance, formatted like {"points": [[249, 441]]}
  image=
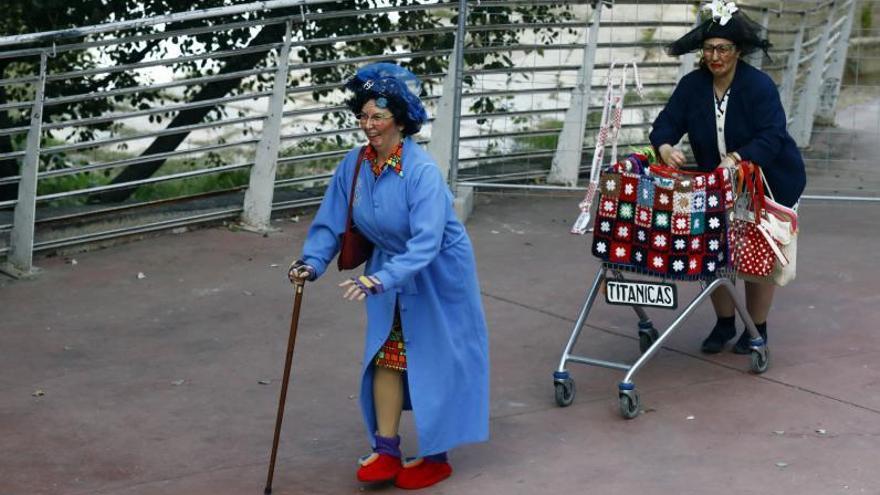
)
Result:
{"points": [[460, 34], [686, 61], [757, 58], [569, 150], [834, 75], [443, 128], [440, 146], [789, 79], [257, 211], [20, 262], [809, 100]]}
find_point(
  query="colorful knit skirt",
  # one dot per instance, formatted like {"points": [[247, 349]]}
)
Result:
{"points": [[392, 355]]}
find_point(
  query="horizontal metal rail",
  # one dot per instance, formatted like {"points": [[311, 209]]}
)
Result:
{"points": [[10, 131], [153, 203], [303, 17], [161, 110], [542, 132], [152, 21], [223, 214], [171, 33], [140, 229], [13, 106], [11, 154], [150, 204], [195, 81], [163, 132], [164, 62], [125, 162], [540, 187], [152, 180], [560, 46], [19, 80], [302, 180]]}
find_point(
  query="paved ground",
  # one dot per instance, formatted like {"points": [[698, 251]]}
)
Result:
{"points": [[114, 384]]}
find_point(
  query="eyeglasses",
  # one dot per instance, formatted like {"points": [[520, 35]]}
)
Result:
{"points": [[725, 49], [376, 118]]}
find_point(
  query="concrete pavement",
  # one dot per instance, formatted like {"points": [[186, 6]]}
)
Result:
{"points": [[112, 384]]}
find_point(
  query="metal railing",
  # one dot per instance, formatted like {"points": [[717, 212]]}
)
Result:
{"points": [[510, 86]]}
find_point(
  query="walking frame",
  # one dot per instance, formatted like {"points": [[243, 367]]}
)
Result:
{"points": [[650, 340]]}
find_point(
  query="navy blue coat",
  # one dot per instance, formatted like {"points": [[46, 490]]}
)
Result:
{"points": [[755, 127]]}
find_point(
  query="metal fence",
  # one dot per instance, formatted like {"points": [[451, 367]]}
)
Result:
{"points": [[131, 127]]}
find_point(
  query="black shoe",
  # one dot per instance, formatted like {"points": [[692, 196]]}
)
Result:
{"points": [[714, 343], [743, 344]]}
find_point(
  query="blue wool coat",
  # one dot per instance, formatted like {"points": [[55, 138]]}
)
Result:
{"points": [[425, 260], [755, 127]]}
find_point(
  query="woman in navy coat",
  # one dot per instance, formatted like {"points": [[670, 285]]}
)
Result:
{"points": [[731, 111], [426, 346]]}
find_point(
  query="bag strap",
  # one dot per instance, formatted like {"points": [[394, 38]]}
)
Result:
{"points": [[754, 186], [750, 189], [618, 106], [778, 209], [357, 171], [606, 124]]}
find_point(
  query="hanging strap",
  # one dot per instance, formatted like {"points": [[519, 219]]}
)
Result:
{"points": [[606, 124], [618, 106], [748, 181], [357, 171], [778, 209], [773, 243]]}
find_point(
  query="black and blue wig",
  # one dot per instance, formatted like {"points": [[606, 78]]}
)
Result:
{"points": [[393, 88]]}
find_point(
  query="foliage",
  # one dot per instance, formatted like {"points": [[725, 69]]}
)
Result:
{"points": [[866, 18], [543, 142], [381, 34]]}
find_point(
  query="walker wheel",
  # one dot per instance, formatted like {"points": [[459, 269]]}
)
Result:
{"points": [[759, 363], [629, 404], [647, 339], [564, 392]]}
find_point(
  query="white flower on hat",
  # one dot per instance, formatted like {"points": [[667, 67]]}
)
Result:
{"points": [[721, 11]]}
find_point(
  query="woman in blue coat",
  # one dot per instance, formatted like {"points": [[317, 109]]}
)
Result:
{"points": [[731, 111], [426, 346]]}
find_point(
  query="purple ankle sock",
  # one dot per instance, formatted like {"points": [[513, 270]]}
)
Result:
{"points": [[389, 446], [441, 457]]}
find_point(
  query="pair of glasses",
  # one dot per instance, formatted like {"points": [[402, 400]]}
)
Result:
{"points": [[725, 49], [376, 118]]}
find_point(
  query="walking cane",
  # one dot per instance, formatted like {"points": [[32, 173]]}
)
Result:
{"points": [[294, 321]]}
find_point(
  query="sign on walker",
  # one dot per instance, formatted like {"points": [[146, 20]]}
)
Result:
{"points": [[641, 294]]}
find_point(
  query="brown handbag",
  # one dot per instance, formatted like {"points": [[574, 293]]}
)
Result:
{"points": [[355, 248]]}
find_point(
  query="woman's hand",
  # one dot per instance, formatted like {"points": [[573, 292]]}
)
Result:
{"points": [[730, 160], [300, 271], [671, 156], [356, 289]]}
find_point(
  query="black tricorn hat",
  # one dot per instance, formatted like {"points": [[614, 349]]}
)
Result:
{"points": [[737, 27]]}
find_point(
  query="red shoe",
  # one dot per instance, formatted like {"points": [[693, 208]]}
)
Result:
{"points": [[378, 467], [420, 473]]}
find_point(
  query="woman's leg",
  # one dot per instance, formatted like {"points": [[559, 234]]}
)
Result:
{"points": [[759, 298], [384, 463], [723, 304], [387, 400], [725, 326]]}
